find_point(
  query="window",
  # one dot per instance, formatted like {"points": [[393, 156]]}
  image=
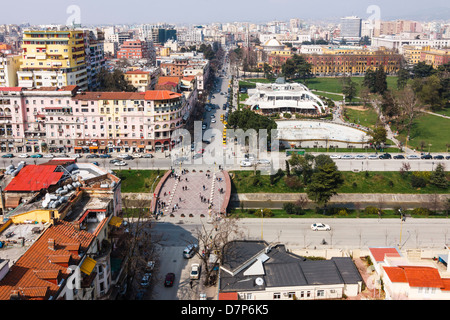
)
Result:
{"points": [[276, 295], [321, 293]]}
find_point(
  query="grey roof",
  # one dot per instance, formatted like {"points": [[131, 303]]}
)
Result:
{"points": [[282, 269]]}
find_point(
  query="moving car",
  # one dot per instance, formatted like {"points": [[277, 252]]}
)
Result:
{"points": [[195, 271], [170, 277], [190, 251], [147, 155], [9, 155], [24, 155], [114, 160], [213, 120], [128, 158], [125, 155], [136, 155], [145, 282], [320, 227], [38, 155]]}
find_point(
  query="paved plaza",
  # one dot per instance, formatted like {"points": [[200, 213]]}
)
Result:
{"points": [[192, 193]]}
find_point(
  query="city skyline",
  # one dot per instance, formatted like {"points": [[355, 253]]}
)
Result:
{"points": [[202, 11]]}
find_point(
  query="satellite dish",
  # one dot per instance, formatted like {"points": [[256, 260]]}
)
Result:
{"points": [[259, 281]]}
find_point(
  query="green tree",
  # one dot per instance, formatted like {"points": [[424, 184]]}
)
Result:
{"points": [[302, 166], [379, 136], [369, 80], [438, 177], [422, 70], [430, 92], [349, 88], [324, 183], [297, 68], [380, 85], [403, 77], [114, 81]]}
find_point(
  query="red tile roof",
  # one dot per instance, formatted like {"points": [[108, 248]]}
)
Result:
{"points": [[417, 277], [34, 178], [165, 79], [228, 296], [11, 88], [161, 95], [380, 253], [32, 272]]}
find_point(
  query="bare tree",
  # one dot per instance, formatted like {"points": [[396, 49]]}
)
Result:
{"points": [[409, 107], [211, 240]]}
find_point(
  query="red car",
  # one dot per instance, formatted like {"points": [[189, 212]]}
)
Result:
{"points": [[170, 277]]}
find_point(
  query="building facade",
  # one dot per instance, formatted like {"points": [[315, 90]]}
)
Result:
{"points": [[53, 58], [9, 65]]}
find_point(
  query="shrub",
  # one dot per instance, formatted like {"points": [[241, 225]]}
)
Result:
{"points": [[371, 210], [421, 211], [418, 182], [293, 182]]}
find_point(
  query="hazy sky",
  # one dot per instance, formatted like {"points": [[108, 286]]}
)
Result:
{"points": [[205, 11]]}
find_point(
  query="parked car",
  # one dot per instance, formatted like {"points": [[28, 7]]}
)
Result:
{"points": [[320, 227], [412, 157], [213, 120], [246, 163], [145, 282], [150, 266], [120, 163], [360, 157], [147, 155], [347, 156], [114, 161], [439, 157], [49, 155], [9, 155], [195, 271], [385, 156], [37, 155], [264, 161], [104, 156], [24, 155], [426, 156], [124, 155], [136, 155], [92, 155], [96, 163], [399, 156], [128, 158], [335, 156], [77, 155], [170, 278], [372, 157], [447, 157]]}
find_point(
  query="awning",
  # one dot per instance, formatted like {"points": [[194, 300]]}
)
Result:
{"points": [[115, 221], [141, 146], [88, 265], [93, 148]]}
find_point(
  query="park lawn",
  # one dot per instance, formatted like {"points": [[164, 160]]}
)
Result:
{"points": [[430, 129], [374, 182], [367, 118], [138, 181], [444, 112]]}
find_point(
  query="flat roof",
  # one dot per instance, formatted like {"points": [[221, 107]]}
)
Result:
{"points": [[34, 178]]}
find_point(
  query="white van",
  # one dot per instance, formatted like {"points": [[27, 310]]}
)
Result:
{"points": [[190, 251]]}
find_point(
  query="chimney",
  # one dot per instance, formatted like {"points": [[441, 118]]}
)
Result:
{"points": [[51, 244]]}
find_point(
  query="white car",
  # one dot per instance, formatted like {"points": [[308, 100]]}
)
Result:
{"points": [[263, 161], [335, 156], [213, 120], [120, 163], [372, 157], [320, 227], [24, 155], [136, 155], [49, 155], [125, 155], [195, 271], [412, 157], [77, 155], [246, 163], [360, 157], [347, 156], [145, 282]]}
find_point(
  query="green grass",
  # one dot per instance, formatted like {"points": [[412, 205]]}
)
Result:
{"points": [[430, 129], [367, 118], [138, 181], [444, 112], [374, 182]]}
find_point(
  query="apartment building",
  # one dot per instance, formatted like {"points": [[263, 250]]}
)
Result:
{"points": [[412, 54], [67, 120], [136, 49], [435, 57], [53, 58], [9, 65]]}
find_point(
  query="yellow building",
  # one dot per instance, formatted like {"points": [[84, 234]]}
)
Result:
{"points": [[412, 54], [9, 65], [139, 79], [53, 58], [435, 57]]}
